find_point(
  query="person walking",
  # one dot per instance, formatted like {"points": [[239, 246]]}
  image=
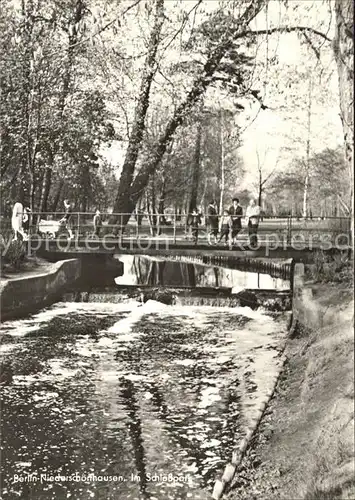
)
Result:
{"points": [[212, 222], [17, 221], [67, 219], [97, 223], [252, 219], [26, 220], [225, 226], [194, 221], [236, 213]]}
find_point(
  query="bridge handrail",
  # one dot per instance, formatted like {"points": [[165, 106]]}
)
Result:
{"points": [[176, 225], [169, 215]]}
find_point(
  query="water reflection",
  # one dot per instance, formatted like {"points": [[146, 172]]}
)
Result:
{"points": [[139, 270], [131, 405]]}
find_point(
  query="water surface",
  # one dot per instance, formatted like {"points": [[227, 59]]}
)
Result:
{"points": [[155, 395]]}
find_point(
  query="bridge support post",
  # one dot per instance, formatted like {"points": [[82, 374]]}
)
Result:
{"points": [[174, 227], [78, 229], [289, 230]]}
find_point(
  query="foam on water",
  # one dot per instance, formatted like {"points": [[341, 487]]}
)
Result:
{"points": [[20, 328], [137, 312], [174, 385]]}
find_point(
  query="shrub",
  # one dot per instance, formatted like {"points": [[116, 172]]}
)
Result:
{"points": [[337, 268], [14, 255]]}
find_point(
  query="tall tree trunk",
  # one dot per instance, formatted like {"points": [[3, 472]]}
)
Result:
{"points": [[196, 168], [308, 150], [78, 14], [344, 55], [46, 186], [203, 196], [151, 208], [58, 195], [260, 193], [25, 92], [122, 203], [221, 199], [162, 196], [305, 196]]}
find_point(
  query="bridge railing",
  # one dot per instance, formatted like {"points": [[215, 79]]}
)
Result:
{"points": [[177, 226]]}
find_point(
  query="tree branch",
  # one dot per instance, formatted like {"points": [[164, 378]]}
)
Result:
{"points": [[197, 90], [194, 8], [286, 29]]}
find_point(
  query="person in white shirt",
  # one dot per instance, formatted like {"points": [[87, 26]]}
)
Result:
{"points": [[17, 221], [252, 219]]}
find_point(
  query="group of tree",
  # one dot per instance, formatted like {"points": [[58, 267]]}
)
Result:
{"points": [[167, 80], [52, 125], [327, 187]]}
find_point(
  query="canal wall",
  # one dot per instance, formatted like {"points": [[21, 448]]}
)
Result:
{"points": [[310, 308], [22, 295]]}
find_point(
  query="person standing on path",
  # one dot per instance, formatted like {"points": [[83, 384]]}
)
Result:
{"points": [[252, 219], [236, 213], [67, 218], [194, 221], [97, 223], [26, 220], [17, 221], [225, 226], [212, 222]]}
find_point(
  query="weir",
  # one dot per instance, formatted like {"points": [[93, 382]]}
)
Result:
{"points": [[274, 300]]}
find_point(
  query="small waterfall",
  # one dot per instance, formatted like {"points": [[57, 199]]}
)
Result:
{"points": [[113, 297], [208, 301], [272, 300]]}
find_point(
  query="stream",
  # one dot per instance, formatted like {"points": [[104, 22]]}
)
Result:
{"points": [[127, 400]]}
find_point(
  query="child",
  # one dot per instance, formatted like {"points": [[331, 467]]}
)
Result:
{"points": [[194, 221], [97, 223], [67, 218], [212, 222], [26, 220], [225, 226]]}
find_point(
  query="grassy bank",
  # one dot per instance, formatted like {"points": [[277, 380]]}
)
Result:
{"points": [[28, 266], [304, 448]]}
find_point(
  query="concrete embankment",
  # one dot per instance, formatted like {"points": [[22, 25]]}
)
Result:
{"points": [[21, 295]]}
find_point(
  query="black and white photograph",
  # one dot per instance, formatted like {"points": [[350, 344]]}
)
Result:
{"points": [[177, 236]]}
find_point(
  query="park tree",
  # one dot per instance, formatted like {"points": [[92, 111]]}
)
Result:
{"points": [[52, 126], [328, 189], [77, 76], [217, 45], [219, 40], [300, 90]]}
